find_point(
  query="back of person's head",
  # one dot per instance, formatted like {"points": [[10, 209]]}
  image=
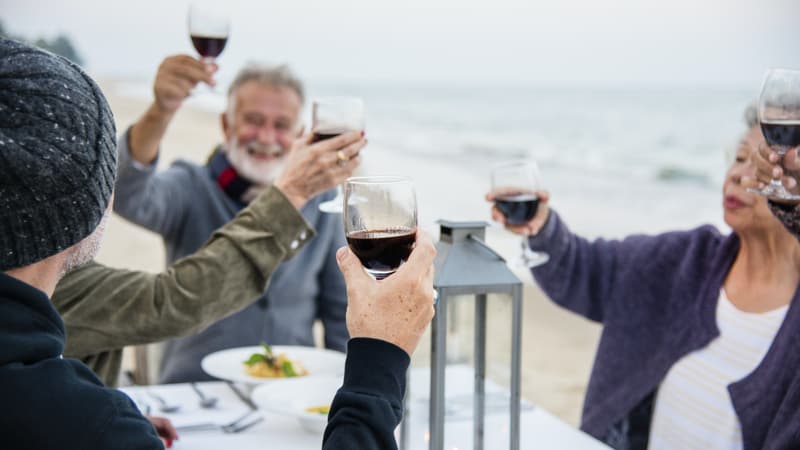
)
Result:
{"points": [[57, 155], [274, 76]]}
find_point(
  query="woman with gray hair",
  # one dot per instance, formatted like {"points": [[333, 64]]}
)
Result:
{"points": [[699, 345]]}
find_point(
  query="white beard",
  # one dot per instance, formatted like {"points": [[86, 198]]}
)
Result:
{"points": [[261, 173], [85, 250]]}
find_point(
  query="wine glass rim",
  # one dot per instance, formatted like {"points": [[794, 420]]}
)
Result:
{"points": [[379, 179]]}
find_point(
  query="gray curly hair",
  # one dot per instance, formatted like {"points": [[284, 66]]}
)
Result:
{"points": [[277, 76]]}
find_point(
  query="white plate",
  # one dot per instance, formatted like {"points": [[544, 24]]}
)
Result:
{"points": [[293, 396], [229, 364]]}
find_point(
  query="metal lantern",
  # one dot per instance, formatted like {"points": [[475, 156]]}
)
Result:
{"points": [[465, 265]]}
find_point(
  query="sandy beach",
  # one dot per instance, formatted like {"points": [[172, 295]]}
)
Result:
{"points": [[558, 347]]}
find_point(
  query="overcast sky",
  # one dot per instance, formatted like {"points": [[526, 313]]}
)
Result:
{"points": [[724, 42]]}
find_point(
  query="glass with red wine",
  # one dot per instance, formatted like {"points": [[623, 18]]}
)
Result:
{"points": [[516, 186], [380, 221], [209, 27], [331, 117], [779, 115]]}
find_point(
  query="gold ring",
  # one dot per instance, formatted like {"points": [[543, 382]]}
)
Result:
{"points": [[340, 156]]}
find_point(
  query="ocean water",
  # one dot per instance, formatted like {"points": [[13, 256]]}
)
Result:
{"points": [[616, 160]]}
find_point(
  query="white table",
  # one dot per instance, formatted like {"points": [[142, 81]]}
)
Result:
{"points": [[540, 429]]}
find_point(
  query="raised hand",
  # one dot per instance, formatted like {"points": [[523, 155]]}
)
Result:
{"points": [[397, 309], [314, 168], [530, 228]]}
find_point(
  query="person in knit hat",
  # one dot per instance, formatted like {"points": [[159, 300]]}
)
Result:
{"points": [[57, 171]]}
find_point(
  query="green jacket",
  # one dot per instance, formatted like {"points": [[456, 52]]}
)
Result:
{"points": [[105, 309]]}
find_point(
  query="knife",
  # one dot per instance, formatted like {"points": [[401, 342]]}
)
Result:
{"points": [[244, 398]]}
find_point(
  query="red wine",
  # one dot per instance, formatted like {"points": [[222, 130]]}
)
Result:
{"points": [[322, 135], [382, 250], [518, 208], [784, 133], [208, 46]]}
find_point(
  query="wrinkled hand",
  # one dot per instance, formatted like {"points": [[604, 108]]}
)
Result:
{"points": [[530, 228], [397, 309], [768, 169], [314, 168], [164, 429], [177, 76]]}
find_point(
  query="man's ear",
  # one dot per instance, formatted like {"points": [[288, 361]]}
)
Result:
{"points": [[225, 125]]}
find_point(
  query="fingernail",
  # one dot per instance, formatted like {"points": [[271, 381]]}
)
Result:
{"points": [[791, 183], [776, 172], [340, 254], [773, 157], [362, 133]]}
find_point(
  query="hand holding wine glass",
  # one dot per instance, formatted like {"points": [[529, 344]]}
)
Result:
{"points": [[398, 309], [331, 117], [767, 168], [531, 227], [779, 115], [517, 196], [312, 168], [177, 77]]}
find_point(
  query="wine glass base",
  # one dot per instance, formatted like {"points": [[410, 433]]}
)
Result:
{"points": [[533, 259], [775, 191]]}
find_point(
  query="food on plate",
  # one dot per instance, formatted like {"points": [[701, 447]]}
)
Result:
{"points": [[322, 409], [268, 365]]}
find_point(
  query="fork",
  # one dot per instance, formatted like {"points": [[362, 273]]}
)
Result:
{"points": [[238, 425]]}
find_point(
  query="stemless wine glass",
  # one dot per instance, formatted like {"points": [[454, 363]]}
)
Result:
{"points": [[331, 117], [209, 27], [380, 221], [515, 186], [779, 114]]}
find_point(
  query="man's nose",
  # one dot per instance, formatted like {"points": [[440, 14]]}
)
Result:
{"points": [[267, 135]]}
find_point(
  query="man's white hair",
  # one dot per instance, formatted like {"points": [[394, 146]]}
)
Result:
{"points": [[276, 76]]}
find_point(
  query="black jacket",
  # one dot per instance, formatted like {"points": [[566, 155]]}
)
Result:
{"points": [[52, 402]]}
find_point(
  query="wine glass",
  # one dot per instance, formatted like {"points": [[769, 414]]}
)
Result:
{"points": [[779, 115], [380, 221], [331, 117], [209, 27], [515, 186]]}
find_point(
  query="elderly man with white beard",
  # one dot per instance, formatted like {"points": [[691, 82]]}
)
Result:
{"points": [[187, 202]]}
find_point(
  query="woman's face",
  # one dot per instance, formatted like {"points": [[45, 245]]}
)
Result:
{"points": [[745, 211]]}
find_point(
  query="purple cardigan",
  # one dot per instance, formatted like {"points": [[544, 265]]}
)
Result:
{"points": [[656, 297]]}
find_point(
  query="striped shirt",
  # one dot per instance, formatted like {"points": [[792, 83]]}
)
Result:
{"points": [[693, 408]]}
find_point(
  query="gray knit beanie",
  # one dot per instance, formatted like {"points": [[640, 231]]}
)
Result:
{"points": [[58, 154]]}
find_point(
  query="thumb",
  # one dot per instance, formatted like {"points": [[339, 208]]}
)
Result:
{"points": [[544, 196], [424, 251], [350, 266]]}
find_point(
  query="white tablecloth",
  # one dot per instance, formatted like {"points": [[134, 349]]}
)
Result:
{"points": [[540, 429]]}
